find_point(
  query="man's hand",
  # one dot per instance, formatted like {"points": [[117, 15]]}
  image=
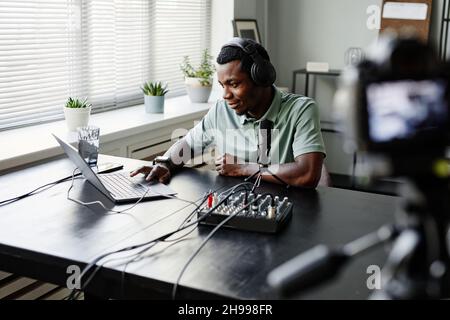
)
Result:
{"points": [[157, 172], [228, 165]]}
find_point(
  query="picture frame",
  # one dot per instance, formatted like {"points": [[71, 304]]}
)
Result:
{"points": [[247, 28]]}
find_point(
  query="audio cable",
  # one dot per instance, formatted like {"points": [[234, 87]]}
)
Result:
{"points": [[140, 256], [45, 187], [161, 238], [210, 235], [130, 248], [37, 190], [146, 246], [87, 204]]}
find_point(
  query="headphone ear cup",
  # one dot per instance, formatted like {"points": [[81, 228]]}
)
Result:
{"points": [[263, 73]]}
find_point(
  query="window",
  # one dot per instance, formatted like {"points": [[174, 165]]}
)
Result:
{"points": [[100, 49]]}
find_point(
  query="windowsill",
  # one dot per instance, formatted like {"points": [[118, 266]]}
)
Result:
{"points": [[30, 144]]}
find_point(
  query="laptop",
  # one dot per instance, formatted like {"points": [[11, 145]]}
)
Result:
{"points": [[119, 187]]}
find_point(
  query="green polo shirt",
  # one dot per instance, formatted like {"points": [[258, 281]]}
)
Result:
{"points": [[296, 130]]}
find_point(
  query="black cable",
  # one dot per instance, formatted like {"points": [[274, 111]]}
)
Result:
{"points": [[48, 186], [161, 238], [71, 296], [76, 293], [133, 256], [75, 296], [210, 235], [238, 187], [87, 204], [95, 261], [175, 241], [28, 194], [139, 256], [189, 217]]}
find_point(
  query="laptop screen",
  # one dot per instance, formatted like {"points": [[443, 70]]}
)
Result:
{"points": [[87, 172]]}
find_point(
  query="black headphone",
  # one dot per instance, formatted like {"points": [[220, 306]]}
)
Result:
{"points": [[262, 71]]}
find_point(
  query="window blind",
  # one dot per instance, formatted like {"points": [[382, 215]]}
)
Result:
{"points": [[181, 28], [100, 49]]}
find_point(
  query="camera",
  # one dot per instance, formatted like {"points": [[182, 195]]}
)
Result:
{"points": [[394, 106]]}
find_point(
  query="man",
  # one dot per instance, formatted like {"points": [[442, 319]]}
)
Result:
{"points": [[233, 126]]}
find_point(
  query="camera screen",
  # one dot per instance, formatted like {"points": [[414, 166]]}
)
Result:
{"points": [[399, 110]]}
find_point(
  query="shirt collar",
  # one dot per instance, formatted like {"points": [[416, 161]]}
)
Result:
{"points": [[272, 112]]}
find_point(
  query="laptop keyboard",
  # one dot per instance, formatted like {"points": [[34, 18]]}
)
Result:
{"points": [[122, 186]]}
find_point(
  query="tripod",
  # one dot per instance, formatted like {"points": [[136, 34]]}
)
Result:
{"points": [[418, 266]]}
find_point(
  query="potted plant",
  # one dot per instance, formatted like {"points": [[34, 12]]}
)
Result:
{"points": [[154, 93], [77, 113], [198, 81]]}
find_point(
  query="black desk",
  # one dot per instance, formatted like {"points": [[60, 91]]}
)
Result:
{"points": [[307, 74], [42, 235]]}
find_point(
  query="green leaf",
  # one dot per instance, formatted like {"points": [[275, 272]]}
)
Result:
{"points": [[76, 103], [154, 88], [204, 72]]}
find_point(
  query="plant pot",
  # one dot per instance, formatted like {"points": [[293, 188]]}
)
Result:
{"points": [[196, 92], [77, 117], [154, 104]]}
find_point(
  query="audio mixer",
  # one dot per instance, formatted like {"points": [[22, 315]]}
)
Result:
{"points": [[254, 212]]}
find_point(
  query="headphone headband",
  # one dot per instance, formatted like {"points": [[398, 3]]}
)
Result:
{"points": [[248, 47], [262, 71]]}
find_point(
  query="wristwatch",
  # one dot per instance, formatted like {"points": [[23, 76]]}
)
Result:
{"points": [[163, 160]]}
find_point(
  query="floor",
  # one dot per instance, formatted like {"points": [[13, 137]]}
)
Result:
{"points": [[13, 287]]}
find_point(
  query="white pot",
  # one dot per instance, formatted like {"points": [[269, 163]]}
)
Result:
{"points": [[77, 117], [197, 93], [154, 104]]}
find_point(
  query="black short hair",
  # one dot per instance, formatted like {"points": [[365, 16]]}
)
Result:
{"points": [[228, 54]]}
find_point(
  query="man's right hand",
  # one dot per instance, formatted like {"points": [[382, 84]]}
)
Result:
{"points": [[158, 172]]}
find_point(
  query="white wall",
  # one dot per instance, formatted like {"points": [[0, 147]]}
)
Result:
{"points": [[253, 9], [316, 30], [222, 28], [322, 30], [221, 32]]}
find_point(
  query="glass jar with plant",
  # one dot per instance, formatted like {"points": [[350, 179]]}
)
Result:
{"points": [[77, 113], [198, 80], [154, 94]]}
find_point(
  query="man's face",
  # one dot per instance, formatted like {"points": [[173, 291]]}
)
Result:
{"points": [[239, 91]]}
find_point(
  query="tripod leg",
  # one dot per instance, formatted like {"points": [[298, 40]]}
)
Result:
{"points": [[401, 254]]}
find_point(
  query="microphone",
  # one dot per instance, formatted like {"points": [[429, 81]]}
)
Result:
{"points": [[321, 264], [264, 142], [307, 270]]}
